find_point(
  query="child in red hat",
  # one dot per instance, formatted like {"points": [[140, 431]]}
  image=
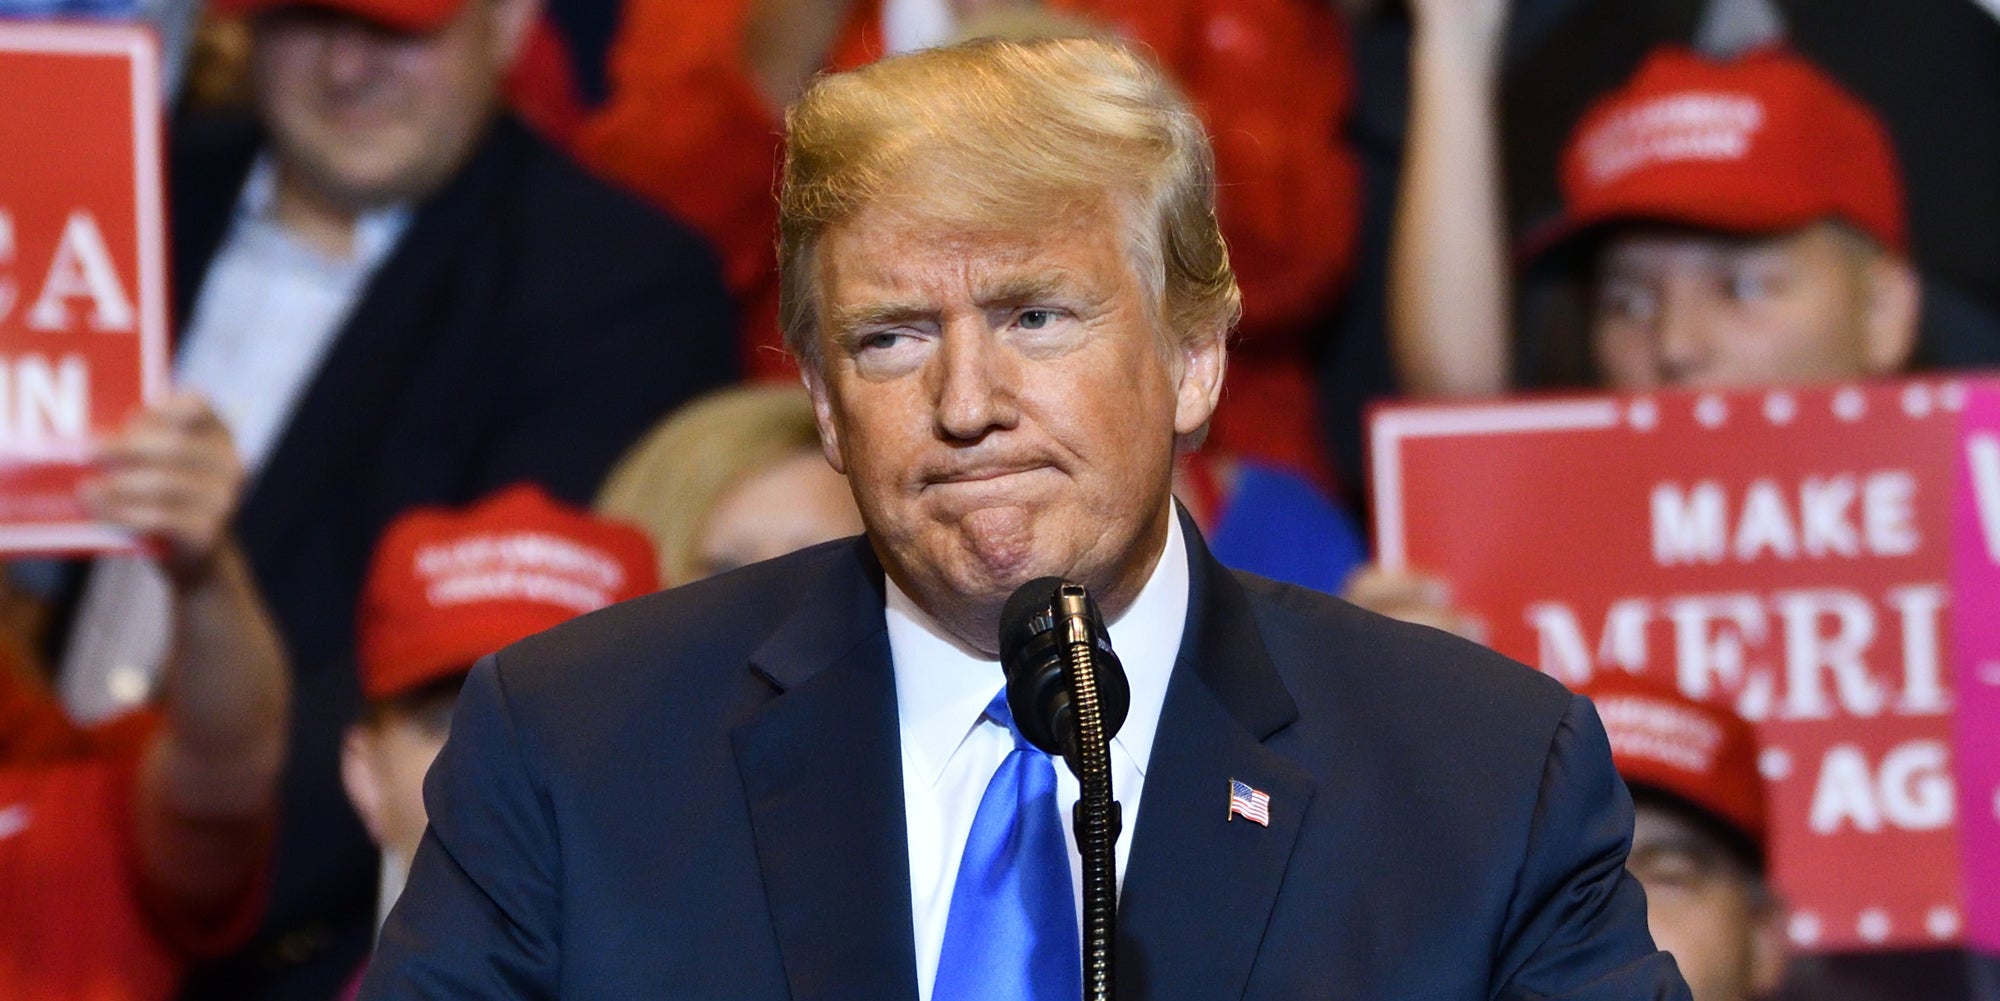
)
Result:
{"points": [[1698, 837], [446, 588]]}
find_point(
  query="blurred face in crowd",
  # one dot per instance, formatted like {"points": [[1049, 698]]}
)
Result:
{"points": [[383, 762], [364, 116], [1686, 308], [1705, 906], [1004, 404], [793, 503]]}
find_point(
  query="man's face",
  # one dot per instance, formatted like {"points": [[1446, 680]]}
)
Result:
{"points": [[364, 116], [1705, 907], [383, 765], [1004, 406], [1682, 308]]}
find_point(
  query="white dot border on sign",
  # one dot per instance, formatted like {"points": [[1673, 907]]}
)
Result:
{"points": [[1643, 414], [1803, 928], [1775, 764], [1849, 404], [1780, 407], [1873, 925], [1951, 397], [1918, 401], [1711, 411], [1943, 923]]}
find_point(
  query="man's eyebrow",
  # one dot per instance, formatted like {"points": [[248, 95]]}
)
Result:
{"points": [[848, 319], [1005, 293], [1021, 290]]}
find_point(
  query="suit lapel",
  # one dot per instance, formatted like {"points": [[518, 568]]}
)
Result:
{"points": [[822, 767], [1200, 886], [210, 160]]}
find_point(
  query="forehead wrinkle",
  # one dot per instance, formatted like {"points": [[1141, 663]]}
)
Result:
{"points": [[1020, 289]]}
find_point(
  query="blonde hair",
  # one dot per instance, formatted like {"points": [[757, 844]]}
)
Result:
{"points": [[1009, 133], [670, 481]]}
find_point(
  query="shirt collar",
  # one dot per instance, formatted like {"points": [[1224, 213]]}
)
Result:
{"points": [[375, 231], [943, 686]]}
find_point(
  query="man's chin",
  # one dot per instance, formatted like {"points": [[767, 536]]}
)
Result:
{"points": [[999, 543], [364, 176]]}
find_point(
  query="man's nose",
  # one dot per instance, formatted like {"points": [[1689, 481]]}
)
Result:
{"points": [[976, 382], [350, 55], [1686, 328]]}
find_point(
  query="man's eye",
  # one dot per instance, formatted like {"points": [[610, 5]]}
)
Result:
{"points": [[1626, 302], [1035, 319], [1749, 285], [881, 340], [1674, 868]]}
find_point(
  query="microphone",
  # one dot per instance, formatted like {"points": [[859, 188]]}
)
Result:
{"points": [[1069, 695], [1046, 624]]}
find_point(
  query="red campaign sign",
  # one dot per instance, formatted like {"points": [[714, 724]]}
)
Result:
{"points": [[1798, 554], [83, 268]]}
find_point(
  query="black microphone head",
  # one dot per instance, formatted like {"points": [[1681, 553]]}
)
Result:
{"points": [[1033, 653], [1017, 620], [1031, 656]]}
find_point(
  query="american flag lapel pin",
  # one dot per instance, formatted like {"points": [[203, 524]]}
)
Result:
{"points": [[1251, 804]]}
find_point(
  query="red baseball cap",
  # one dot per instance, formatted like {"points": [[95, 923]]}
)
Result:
{"points": [[418, 17], [448, 587], [1703, 755], [1761, 144]]}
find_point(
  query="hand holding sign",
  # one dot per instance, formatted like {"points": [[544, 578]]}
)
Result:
{"points": [[1412, 597], [173, 476]]}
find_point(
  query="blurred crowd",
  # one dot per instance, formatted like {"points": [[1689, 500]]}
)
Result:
{"points": [[478, 331]]}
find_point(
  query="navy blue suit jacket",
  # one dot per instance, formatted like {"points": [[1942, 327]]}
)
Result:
{"points": [[698, 795]]}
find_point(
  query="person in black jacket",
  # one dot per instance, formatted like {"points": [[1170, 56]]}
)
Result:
{"points": [[396, 295]]}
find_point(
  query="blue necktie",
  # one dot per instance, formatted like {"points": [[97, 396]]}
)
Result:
{"points": [[1011, 934]]}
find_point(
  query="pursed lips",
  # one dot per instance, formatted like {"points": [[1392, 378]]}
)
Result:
{"points": [[982, 473]]}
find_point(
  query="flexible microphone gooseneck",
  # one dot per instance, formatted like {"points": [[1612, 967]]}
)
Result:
{"points": [[1069, 696]]}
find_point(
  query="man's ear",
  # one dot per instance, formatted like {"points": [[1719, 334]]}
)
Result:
{"points": [[1768, 951], [1894, 304], [366, 788], [822, 401], [510, 22], [1202, 361]]}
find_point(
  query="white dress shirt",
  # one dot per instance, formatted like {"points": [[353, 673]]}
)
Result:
{"points": [[951, 750], [268, 313], [270, 310]]}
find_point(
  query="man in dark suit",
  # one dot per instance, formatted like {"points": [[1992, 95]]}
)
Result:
{"points": [[1003, 278], [396, 295]]}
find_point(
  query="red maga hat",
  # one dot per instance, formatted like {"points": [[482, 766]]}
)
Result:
{"points": [[1701, 754], [1761, 144], [448, 587], [420, 17]]}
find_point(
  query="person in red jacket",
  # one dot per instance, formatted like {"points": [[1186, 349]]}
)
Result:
{"points": [[693, 122], [130, 849]]}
